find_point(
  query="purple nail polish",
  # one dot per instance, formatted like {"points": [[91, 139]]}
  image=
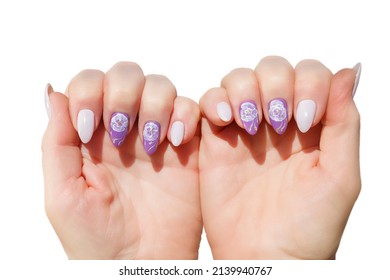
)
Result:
{"points": [[278, 115], [151, 136], [249, 116], [119, 125]]}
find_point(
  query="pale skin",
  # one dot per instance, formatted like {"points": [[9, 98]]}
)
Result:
{"points": [[120, 203], [273, 196], [262, 196]]}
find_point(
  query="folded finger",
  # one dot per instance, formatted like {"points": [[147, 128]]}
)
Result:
{"points": [[156, 107], [276, 81], [312, 84], [85, 93], [243, 92], [123, 86]]}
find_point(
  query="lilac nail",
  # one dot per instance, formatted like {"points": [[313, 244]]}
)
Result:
{"points": [[278, 115], [249, 116], [151, 135], [119, 126]]}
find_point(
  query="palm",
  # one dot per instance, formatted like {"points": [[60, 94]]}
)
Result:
{"points": [[278, 199], [130, 205]]}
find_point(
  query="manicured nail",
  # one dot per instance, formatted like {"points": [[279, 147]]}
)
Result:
{"points": [[48, 90], [151, 135], [306, 111], [177, 133], [224, 112], [249, 116], [119, 125], [277, 110], [85, 125], [358, 69]]}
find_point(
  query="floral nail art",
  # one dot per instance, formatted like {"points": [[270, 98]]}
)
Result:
{"points": [[278, 115], [249, 116], [151, 135], [119, 125]]}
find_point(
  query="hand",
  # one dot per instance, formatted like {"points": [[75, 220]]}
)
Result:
{"points": [[280, 193], [109, 198]]}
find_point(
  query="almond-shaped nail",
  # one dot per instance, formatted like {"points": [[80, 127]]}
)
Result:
{"points": [[224, 112], [85, 125], [306, 111], [151, 136], [249, 116], [278, 114], [358, 70], [119, 125], [48, 90], [177, 133]]}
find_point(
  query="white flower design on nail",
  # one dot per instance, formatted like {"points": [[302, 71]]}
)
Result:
{"points": [[119, 122], [151, 131], [248, 112], [277, 111]]}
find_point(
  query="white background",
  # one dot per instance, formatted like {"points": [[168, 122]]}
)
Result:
{"points": [[194, 43]]}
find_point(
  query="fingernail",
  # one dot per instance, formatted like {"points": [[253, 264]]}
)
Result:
{"points": [[249, 116], [277, 110], [358, 70], [85, 125], [177, 133], [224, 112], [48, 90], [151, 136], [119, 125], [305, 114]]}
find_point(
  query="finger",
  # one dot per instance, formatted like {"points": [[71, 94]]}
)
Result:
{"points": [[123, 86], [276, 79], [339, 142], [243, 92], [215, 106], [85, 93], [155, 111], [312, 84], [184, 121], [61, 156]]}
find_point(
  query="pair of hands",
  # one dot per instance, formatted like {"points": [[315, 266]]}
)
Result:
{"points": [[261, 188]]}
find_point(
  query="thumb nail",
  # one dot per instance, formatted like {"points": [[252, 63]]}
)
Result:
{"points": [[358, 70], [48, 90]]}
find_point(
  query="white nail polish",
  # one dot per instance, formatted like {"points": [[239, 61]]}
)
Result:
{"points": [[85, 125], [306, 111], [358, 69], [177, 133], [48, 90], [224, 112]]}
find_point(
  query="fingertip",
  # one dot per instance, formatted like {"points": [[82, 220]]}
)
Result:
{"points": [[85, 92], [184, 121], [215, 106], [55, 134], [341, 92], [156, 107], [312, 84]]}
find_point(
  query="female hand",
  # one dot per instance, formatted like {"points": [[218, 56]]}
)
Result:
{"points": [[126, 192], [272, 189]]}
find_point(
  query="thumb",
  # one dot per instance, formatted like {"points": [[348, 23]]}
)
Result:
{"points": [[339, 142], [61, 156]]}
